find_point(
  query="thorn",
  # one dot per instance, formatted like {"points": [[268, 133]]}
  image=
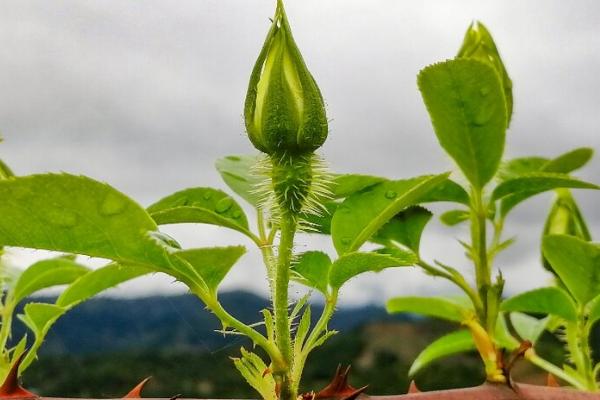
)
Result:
{"points": [[339, 389], [551, 381], [11, 389], [412, 388], [136, 392]]}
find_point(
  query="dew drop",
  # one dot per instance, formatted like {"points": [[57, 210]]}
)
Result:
{"points": [[112, 205], [483, 117], [485, 90], [346, 241], [223, 205], [390, 194], [164, 239], [62, 218], [207, 196], [236, 214]]}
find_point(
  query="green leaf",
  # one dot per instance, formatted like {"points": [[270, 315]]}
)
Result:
{"points": [[577, 263], [353, 264], [455, 217], [437, 307], [302, 331], [519, 166], [569, 161], [448, 191], [347, 184], [75, 214], [528, 328], [405, 228], [97, 281], [362, 214], [5, 171], [253, 368], [312, 270], [46, 273], [200, 205], [39, 317], [212, 264], [548, 300], [593, 310], [236, 171], [465, 101], [538, 182], [447, 345]]}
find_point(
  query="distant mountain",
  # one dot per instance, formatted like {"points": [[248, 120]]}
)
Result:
{"points": [[169, 323]]}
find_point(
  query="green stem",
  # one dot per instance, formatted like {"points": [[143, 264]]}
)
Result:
{"points": [[319, 328], [479, 254], [554, 370], [266, 248], [280, 300], [578, 341], [7, 315], [213, 305], [321, 325], [458, 281]]}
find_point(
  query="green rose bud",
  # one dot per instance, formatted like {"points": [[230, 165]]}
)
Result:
{"points": [[565, 219], [479, 45], [284, 110]]}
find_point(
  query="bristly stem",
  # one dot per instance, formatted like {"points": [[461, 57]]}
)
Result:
{"points": [[288, 225]]}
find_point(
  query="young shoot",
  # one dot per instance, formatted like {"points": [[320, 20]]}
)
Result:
{"points": [[469, 100]]}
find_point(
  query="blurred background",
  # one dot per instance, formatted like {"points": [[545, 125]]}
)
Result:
{"points": [[147, 95]]}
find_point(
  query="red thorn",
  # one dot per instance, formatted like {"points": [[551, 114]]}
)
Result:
{"points": [[551, 381], [339, 389], [412, 388], [136, 392], [11, 389]]}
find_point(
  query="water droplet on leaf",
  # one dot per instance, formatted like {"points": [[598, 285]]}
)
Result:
{"points": [[346, 241], [485, 90], [236, 214], [112, 205], [206, 196], [223, 205], [390, 194]]}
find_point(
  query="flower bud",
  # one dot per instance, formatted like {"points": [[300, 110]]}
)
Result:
{"points": [[478, 44], [284, 110], [565, 218]]}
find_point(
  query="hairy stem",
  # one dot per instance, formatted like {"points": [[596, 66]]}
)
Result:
{"points": [[266, 249], [213, 305], [479, 252], [280, 300]]}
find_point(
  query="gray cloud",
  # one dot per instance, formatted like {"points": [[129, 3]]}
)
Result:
{"points": [[146, 95]]}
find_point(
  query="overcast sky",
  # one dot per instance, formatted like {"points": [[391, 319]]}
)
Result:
{"points": [[146, 95]]}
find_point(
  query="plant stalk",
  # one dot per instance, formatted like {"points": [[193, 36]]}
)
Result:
{"points": [[288, 227]]}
